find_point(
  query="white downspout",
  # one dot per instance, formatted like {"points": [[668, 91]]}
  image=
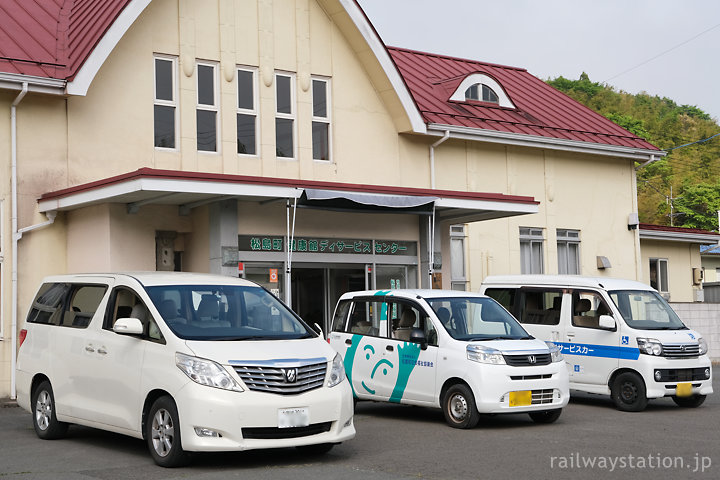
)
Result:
{"points": [[15, 236], [432, 157]]}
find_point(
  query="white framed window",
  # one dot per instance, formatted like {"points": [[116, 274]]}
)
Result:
{"points": [[321, 119], [285, 115], [568, 250], [481, 93], [207, 107], [483, 88], [659, 275], [247, 111], [165, 105], [531, 250], [458, 271]]}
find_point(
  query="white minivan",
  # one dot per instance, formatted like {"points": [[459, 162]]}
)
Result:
{"points": [[619, 337], [458, 351], [188, 362]]}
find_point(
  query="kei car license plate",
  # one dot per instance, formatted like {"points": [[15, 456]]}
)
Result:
{"points": [[293, 417], [684, 389], [521, 398]]}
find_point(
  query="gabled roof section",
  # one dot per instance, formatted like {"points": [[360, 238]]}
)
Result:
{"points": [[65, 40], [649, 231], [541, 111]]}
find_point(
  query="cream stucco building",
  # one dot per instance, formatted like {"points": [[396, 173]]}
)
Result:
{"points": [[210, 136]]}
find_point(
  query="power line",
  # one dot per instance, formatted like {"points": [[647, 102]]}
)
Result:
{"points": [[662, 53], [693, 143]]}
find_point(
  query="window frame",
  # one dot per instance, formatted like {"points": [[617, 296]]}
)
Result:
{"points": [[564, 239], [292, 116], [661, 281], [215, 108], [327, 119], [458, 280], [166, 103], [575, 297], [248, 112], [532, 238]]}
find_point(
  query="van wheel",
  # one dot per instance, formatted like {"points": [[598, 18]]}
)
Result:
{"points": [[545, 416], [162, 431], [689, 402], [317, 449], [628, 392], [45, 420], [459, 407]]}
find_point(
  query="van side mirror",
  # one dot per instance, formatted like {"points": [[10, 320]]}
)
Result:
{"points": [[606, 322], [417, 335], [128, 326]]}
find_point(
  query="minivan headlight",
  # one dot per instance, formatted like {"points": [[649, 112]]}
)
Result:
{"points": [[206, 372], [703, 346], [481, 354], [337, 371], [650, 346], [555, 352]]}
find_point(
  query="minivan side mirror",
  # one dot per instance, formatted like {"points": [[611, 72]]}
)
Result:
{"points": [[417, 335], [606, 322], [128, 326]]}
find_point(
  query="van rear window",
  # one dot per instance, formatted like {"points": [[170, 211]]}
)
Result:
{"points": [[47, 306]]}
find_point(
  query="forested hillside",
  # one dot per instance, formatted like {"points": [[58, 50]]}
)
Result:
{"points": [[686, 183]]}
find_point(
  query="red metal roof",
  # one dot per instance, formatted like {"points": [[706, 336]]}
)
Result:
{"points": [[665, 228], [52, 38], [541, 110]]}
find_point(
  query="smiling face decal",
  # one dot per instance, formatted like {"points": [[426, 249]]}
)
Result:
{"points": [[382, 367]]}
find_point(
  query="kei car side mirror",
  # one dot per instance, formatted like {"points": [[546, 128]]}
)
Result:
{"points": [[418, 336], [128, 326]]}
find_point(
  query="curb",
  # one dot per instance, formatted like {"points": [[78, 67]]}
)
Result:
{"points": [[8, 403]]}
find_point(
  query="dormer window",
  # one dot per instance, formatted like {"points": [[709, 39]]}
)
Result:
{"points": [[481, 93], [479, 87]]}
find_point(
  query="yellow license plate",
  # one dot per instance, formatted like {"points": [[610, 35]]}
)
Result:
{"points": [[683, 389], [521, 399]]}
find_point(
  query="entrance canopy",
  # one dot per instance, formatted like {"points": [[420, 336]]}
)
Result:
{"points": [[189, 190]]}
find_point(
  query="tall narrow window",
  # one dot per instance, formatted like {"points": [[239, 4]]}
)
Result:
{"points": [[246, 113], [568, 250], [321, 119], [207, 131], [659, 275], [285, 115], [531, 250], [165, 102], [458, 274]]}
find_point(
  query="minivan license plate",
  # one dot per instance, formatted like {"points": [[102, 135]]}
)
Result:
{"points": [[684, 389], [521, 398], [293, 417]]}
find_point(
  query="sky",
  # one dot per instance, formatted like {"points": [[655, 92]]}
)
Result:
{"points": [[669, 48]]}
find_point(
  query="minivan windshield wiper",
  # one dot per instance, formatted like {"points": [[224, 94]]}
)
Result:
{"points": [[499, 337], [666, 328]]}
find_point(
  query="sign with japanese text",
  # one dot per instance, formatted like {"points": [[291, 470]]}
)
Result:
{"points": [[267, 243]]}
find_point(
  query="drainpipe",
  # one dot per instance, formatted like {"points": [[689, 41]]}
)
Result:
{"points": [[432, 157], [15, 234]]}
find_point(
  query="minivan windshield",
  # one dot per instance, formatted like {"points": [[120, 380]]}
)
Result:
{"points": [[646, 310], [476, 319], [226, 312]]}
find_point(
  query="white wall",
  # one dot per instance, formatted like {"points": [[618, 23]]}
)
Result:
{"points": [[705, 318]]}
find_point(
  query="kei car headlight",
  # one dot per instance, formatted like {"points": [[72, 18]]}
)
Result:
{"points": [[206, 372], [703, 346], [555, 352], [480, 354], [337, 371], [650, 346]]}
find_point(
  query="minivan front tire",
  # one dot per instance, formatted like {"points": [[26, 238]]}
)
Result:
{"points": [[628, 392], [162, 431], [459, 407], [44, 415]]}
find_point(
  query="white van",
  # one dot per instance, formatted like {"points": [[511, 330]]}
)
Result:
{"points": [[189, 362], [458, 351], [619, 337]]}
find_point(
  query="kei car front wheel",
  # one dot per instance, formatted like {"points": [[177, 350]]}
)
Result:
{"points": [[459, 407]]}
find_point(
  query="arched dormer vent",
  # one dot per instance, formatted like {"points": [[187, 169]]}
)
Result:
{"points": [[478, 87]]}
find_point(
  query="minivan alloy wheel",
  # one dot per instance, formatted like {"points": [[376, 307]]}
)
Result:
{"points": [[44, 414], [163, 432], [43, 410]]}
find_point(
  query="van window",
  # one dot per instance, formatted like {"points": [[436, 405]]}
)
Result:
{"points": [[646, 310], [587, 308], [124, 303], [84, 302], [341, 312], [48, 304], [66, 305], [540, 307], [368, 318], [504, 296], [476, 318]]}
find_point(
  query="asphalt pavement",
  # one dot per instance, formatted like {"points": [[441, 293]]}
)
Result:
{"points": [[591, 440]]}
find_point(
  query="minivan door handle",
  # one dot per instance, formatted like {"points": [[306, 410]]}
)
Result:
{"points": [[89, 348], [348, 341], [389, 348], [102, 351]]}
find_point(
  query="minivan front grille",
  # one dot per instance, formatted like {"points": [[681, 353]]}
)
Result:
{"points": [[272, 433], [541, 397], [528, 359], [282, 380], [680, 374], [678, 350]]}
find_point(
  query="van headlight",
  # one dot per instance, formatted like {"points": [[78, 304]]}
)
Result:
{"points": [[650, 346], [337, 371], [703, 346], [555, 352], [206, 372], [480, 354]]}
